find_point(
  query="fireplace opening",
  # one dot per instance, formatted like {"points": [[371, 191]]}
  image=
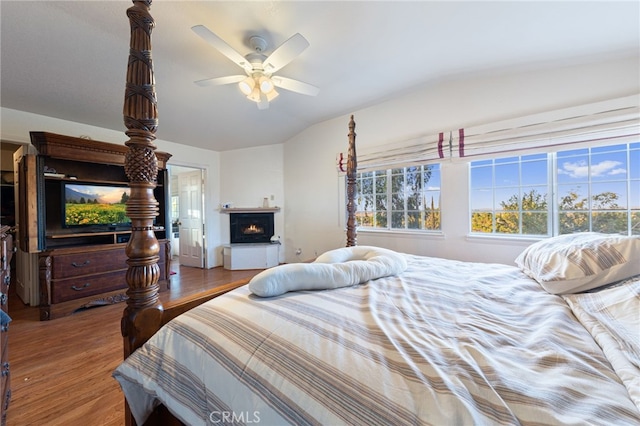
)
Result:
{"points": [[251, 227]]}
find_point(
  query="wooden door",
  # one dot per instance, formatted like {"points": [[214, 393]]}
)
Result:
{"points": [[26, 188], [191, 219]]}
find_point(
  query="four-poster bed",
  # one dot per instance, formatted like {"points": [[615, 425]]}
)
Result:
{"points": [[395, 338]]}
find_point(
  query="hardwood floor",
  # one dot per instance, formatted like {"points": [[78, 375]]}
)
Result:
{"points": [[61, 369]]}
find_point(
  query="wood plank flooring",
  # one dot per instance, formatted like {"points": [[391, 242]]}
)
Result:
{"points": [[61, 369]]}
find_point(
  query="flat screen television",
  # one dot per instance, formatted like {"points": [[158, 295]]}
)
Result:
{"points": [[94, 205]]}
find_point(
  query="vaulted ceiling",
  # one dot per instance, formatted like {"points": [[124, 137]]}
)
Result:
{"points": [[67, 59]]}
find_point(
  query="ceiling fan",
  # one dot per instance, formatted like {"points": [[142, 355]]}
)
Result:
{"points": [[259, 83]]}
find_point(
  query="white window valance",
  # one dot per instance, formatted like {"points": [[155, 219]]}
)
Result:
{"points": [[406, 153], [610, 121], [616, 121]]}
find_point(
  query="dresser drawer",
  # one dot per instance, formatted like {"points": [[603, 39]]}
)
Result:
{"points": [[75, 288], [92, 262]]}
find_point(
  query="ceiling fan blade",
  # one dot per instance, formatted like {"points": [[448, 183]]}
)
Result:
{"points": [[295, 85], [222, 46], [285, 53], [218, 81]]}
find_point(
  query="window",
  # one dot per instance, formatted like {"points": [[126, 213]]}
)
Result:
{"points": [[588, 189], [405, 198]]}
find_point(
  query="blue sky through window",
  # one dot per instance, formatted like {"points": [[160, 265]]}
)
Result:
{"points": [[606, 168]]}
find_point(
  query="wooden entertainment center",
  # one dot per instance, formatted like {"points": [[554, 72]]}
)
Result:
{"points": [[83, 264]]}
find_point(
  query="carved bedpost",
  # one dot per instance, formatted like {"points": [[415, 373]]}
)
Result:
{"points": [[143, 313], [352, 169]]}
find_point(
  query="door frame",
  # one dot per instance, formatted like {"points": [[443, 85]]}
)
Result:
{"points": [[174, 171]]}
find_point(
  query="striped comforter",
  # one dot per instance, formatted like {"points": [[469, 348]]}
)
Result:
{"points": [[445, 343]]}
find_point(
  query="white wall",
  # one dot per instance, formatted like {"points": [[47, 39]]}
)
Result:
{"points": [[315, 207], [16, 126], [248, 176]]}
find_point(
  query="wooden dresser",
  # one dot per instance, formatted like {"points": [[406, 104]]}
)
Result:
{"points": [[6, 247], [73, 277]]}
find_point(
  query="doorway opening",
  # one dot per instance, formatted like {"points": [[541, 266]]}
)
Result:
{"points": [[186, 189]]}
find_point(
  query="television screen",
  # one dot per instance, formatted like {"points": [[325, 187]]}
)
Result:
{"points": [[87, 204]]}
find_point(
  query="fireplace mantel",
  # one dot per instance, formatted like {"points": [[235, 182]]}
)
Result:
{"points": [[250, 210]]}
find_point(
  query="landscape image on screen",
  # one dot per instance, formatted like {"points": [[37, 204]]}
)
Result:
{"points": [[86, 204]]}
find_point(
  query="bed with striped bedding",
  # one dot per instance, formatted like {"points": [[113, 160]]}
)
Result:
{"points": [[445, 342]]}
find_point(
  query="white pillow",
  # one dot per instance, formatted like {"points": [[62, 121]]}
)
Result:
{"points": [[572, 263], [337, 268]]}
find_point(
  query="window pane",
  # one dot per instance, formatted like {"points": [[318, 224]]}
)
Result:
{"points": [[507, 199], [609, 166], [482, 199], [634, 201], [481, 177], [507, 174], [432, 219], [413, 195], [534, 198], [482, 222], [413, 201], [397, 202], [366, 186], [573, 222], [572, 198], [414, 181], [414, 220], [574, 168], [534, 172], [634, 163], [397, 219], [535, 223], [381, 202], [507, 223], [610, 195], [635, 222], [364, 218], [432, 200], [609, 222], [381, 184]]}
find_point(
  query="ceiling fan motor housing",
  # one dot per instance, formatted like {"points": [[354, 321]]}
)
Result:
{"points": [[257, 43]]}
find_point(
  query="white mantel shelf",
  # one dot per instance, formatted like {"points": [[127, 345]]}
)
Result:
{"points": [[251, 210]]}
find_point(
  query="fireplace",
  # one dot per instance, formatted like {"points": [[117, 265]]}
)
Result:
{"points": [[251, 227]]}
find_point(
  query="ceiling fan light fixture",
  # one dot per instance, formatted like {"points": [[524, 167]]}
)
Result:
{"points": [[254, 95], [247, 86], [271, 95], [266, 85]]}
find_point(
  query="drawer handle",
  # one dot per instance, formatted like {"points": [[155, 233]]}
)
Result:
{"points": [[5, 328], [3, 298], [73, 287], [7, 279], [5, 369], [75, 265]]}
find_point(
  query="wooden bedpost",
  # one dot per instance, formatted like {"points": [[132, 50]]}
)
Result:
{"points": [[352, 168], [143, 314]]}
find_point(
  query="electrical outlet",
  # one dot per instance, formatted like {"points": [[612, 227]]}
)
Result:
{"points": [[298, 252]]}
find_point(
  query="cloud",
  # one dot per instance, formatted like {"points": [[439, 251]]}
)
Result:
{"points": [[580, 169]]}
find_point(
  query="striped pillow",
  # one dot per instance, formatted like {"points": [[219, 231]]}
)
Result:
{"points": [[574, 263]]}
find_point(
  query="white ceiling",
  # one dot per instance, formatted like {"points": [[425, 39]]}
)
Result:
{"points": [[67, 59]]}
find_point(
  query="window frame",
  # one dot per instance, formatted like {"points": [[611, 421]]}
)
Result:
{"points": [[388, 198], [553, 192]]}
